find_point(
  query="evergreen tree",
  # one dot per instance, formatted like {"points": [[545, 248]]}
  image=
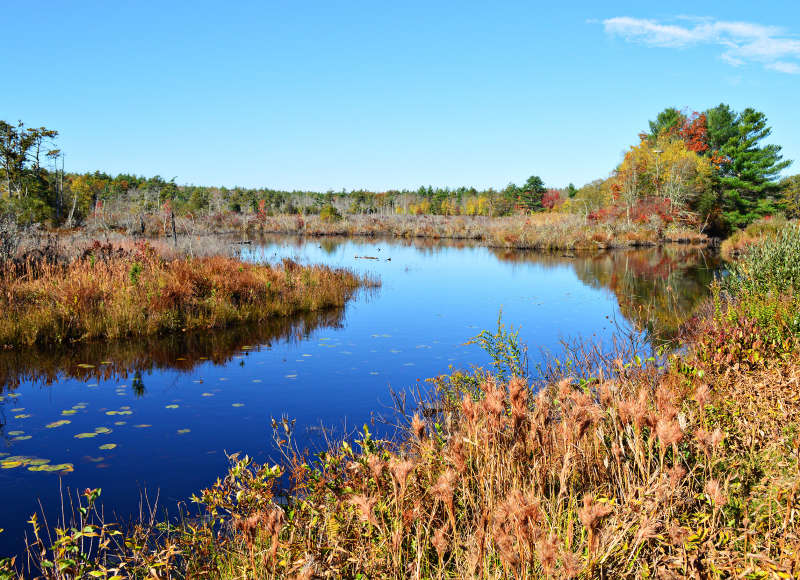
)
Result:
{"points": [[746, 180]]}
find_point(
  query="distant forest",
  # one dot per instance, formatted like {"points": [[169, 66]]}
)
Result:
{"points": [[709, 170]]}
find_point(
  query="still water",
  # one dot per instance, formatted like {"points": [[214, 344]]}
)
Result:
{"points": [[158, 416]]}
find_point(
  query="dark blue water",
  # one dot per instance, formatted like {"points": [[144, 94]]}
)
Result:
{"points": [[160, 415]]}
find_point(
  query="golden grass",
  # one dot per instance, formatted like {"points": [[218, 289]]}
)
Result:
{"points": [[112, 292], [543, 231]]}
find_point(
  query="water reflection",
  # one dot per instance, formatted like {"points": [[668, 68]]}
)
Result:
{"points": [[102, 361], [657, 289]]}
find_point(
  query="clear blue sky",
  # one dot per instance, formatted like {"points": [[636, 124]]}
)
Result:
{"points": [[331, 95]]}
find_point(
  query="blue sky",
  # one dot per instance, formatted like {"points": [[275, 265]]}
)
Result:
{"points": [[332, 95]]}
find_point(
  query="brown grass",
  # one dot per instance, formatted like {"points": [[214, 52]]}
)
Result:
{"points": [[546, 231], [112, 292]]}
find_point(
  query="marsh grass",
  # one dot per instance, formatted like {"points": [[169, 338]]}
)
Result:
{"points": [[547, 231], [112, 292]]}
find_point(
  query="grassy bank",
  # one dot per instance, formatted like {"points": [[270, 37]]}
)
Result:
{"points": [[132, 290], [685, 467], [551, 231]]}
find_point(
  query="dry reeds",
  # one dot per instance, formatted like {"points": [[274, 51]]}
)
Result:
{"points": [[113, 292]]}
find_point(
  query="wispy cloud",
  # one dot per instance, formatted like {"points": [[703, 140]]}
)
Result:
{"points": [[742, 42]]}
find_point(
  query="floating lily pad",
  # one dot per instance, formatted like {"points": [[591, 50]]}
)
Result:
{"points": [[102, 430], [22, 416], [85, 435], [85, 366], [62, 467], [237, 405], [291, 376], [38, 461], [207, 394], [22, 438], [67, 412], [108, 446], [15, 433], [55, 424], [10, 464], [183, 431], [18, 410], [120, 423], [173, 406], [256, 380], [142, 426], [111, 412]]}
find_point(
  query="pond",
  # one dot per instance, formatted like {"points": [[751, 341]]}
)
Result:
{"points": [[158, 416]]}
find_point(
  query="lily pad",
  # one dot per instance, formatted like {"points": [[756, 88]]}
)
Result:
{"points": [[22, 416], [67, 412], [55, 424], [85, 366], [120, 423], [183, 431], [10, 464], [237, 405], [85, 435], [102, 430], [15, 433], [22, 438], [142, 426], [173, 406], [108, 446], [207, 395]]}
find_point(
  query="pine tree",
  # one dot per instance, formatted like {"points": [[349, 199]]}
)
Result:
{"points": [[747, 176]]}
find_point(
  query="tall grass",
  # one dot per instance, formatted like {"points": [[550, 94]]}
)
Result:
{"points": [[548, 231], [111, 292]]}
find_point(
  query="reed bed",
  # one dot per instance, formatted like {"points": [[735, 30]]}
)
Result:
{"points": [[550, 231], [112, 292]]}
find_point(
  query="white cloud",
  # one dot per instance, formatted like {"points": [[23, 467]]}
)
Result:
{"points": [[742, 42], [791, 68]]}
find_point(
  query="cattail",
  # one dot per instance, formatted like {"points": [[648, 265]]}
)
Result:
{"points": [[715, 492], [439, 541], [365, 506], [418, 427]]}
